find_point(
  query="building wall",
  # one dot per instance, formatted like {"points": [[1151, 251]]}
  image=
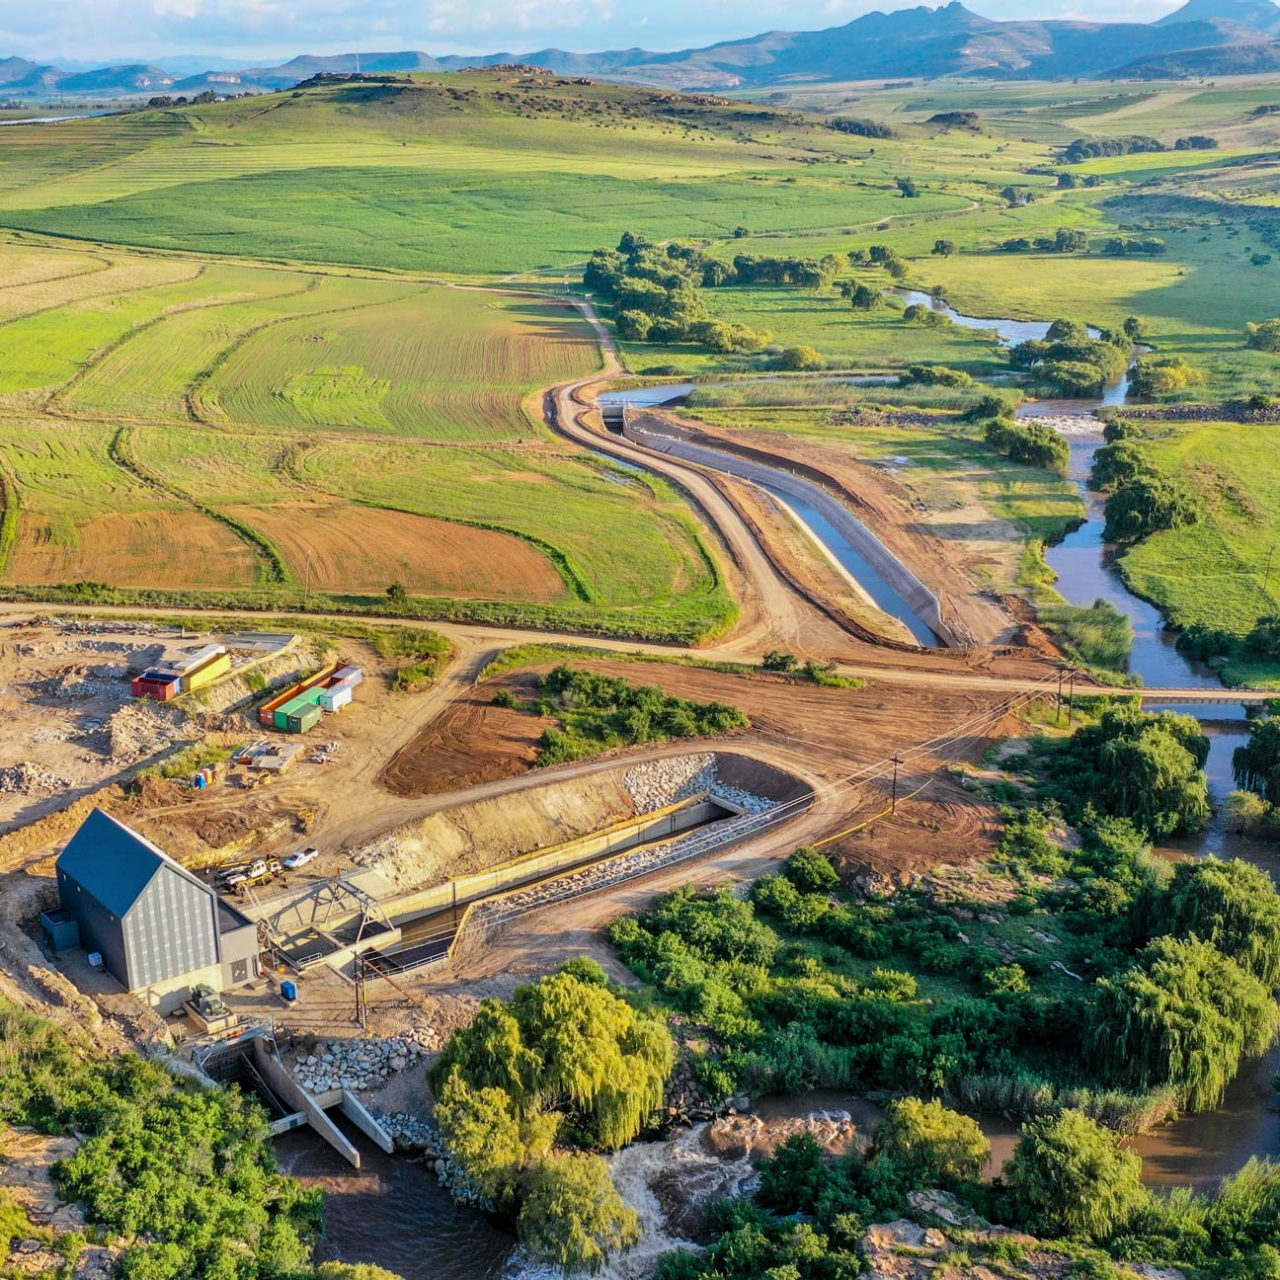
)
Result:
{"points": [[100, 930], [171, 929], [239, 956], [168, 995]]}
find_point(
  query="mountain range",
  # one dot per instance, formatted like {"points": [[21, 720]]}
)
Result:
{"points": [[1204, 37]]}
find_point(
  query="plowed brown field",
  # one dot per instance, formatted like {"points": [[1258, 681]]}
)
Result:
{"points": [[139, 549], [345, 547]]}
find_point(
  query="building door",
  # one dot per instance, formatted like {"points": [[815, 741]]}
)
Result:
{"points": [[239, 971]]}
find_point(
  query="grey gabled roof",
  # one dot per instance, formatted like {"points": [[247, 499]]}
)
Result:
{"points": [[114, 863]]}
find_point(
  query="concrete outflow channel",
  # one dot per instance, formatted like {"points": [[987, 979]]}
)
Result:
{"points": [[420, 889], [886, 581]]}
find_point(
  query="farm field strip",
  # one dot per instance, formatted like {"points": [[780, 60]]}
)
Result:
{"points": [[154, 371], [444, 364]]}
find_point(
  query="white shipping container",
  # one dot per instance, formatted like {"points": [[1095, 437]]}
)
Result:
{"points": [[348, 675], [335, 699]]}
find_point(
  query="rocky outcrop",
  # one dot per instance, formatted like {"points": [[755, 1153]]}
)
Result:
{"points": [[922, 1250]]}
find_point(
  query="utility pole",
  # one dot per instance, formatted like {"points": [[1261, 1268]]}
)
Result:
{"points": [[893, 807], [1062, 675], [1071, 698]]}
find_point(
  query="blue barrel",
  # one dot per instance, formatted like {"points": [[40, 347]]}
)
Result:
{"points": [[289, 989]]}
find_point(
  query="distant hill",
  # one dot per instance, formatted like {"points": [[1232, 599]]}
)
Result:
{"points": [[1258, 15], [1256, 58], [1204, 37]]}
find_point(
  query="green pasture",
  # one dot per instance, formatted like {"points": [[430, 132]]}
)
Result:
{"points": [[447, 364], [1215, 571]]}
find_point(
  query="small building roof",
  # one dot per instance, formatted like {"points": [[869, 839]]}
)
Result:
{"points": [[114, 863]]}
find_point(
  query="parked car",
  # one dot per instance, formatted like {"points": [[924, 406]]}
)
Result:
{"points": [[301, 858]]}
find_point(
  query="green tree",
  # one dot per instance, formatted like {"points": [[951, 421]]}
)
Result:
{"points": [[573, 1216], [1256, 764], [944, 248], [1182, 1014], [1232, 905], [397, 595], [865, 298], [1069, 1177], [930, 1143], [793, 1179]]}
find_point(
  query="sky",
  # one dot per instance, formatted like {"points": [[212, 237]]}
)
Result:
{"points": [[103, 31]]}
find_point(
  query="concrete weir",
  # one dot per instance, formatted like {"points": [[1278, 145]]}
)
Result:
{"points": [[252, 1060]]}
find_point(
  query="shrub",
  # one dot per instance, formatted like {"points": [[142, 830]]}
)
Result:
{"points": [[801, 358], [936, 375], [1146, 504], [1264, 336], [1069, 1177], [811, 871], [930, 1144]]}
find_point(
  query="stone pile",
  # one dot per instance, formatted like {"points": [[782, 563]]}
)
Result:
{"points": [[361, 1064], [410, 1133], [628, 865], [26, 779], [655, 784]]}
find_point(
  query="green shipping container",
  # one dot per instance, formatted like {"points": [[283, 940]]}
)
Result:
{"points": [[306, 718], [311, 698]]}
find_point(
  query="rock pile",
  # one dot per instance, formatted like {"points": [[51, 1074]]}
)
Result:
{"points": [[26, 779], [136, 732], [655, 784], [907, 1250], [361, 1064], [628, 865], [410, 1133]]}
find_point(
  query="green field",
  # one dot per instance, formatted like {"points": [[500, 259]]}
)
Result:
{"points": [[1215, 572], [265, 435], [242, 321]]}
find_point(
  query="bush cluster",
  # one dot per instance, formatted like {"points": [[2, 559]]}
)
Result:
{"points": [[1031, 443], [1069, 362], [598, 711]]}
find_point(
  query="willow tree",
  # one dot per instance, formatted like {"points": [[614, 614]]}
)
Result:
{"points": [[1256, 765], [1154, 780], [1069, 1176], [1233, 905], [566, 1044], [1182, 1015]]}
